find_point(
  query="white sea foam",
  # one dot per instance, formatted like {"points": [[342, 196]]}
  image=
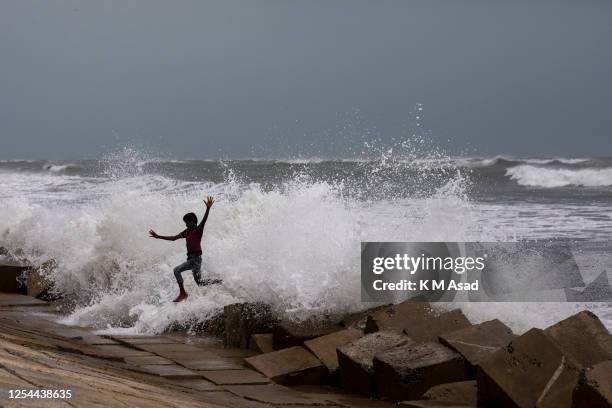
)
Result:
{"points": [[528, 175], [18, 161], [302, 160], [486, 162], [58, 168], [295, 246], [556, 160]]}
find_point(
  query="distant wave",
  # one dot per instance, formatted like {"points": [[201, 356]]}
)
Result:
{"points": [[131, 164], [509, 161], [301, 160], [60, 168], [528, 175], [555, 160], [10, 161], [169, 161]]}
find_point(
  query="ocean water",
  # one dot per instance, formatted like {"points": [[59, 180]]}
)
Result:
{"points": [[286, 232]]}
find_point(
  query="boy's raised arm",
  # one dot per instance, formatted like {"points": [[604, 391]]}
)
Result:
{"points": [[209, 203]]}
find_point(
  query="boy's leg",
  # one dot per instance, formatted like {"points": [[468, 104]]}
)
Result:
{"points": [[185, 266], [197, 274], [196, 269]]}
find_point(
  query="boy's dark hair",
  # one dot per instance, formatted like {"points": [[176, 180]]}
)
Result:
{"points": [[190, 217]]}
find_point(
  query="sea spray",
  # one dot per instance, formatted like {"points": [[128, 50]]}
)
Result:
{"points": [[529, 175], [284, 233]]}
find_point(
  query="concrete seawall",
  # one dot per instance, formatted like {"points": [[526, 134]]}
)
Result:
{"points": [[174, 370]]}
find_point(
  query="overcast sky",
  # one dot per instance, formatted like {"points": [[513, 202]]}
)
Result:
{"points": [[228, 78]]}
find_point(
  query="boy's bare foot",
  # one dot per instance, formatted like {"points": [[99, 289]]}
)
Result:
{"points": [[180, 297]]}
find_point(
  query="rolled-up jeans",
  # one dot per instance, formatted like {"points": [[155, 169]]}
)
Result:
{"points": [[193, 263]]}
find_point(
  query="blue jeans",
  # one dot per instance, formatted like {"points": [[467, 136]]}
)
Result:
{"points": [[193, 263]]}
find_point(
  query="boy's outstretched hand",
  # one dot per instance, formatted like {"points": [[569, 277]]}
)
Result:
{"points": [[209, 202], [153, 234]]}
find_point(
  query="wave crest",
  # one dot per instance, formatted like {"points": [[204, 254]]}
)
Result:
{"points": [[504, 160], [61, 168], [534, 176], [295, 246]]}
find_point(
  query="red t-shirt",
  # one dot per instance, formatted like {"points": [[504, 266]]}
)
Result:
{"points": [[193, 236]]}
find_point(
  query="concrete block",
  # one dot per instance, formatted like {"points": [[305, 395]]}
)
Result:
{"points": [[169, 371], [324, 347], [9, 275], [595, 387], [464, 392], [231, 352], [289, 334], [17, 300], [342, 398], [407, 371], [358, 320], [398, 317], [479, 341], [531, 371], [147, 360], [119, 351], [212, 363], [137, 340], [294, 365], [428, 330], [261, 342], [72, 332], [96, 340], [244, 319], [583, 338], [37, 284], [159, 348], [188, 356], [234, 377], [276, 394], [222, 398], [355, 359], [197, 384]]}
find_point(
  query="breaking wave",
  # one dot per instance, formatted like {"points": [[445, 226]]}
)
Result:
{"points": [[61, 168], [504, 160], [294, 245], [292, 242], [534, 176]]}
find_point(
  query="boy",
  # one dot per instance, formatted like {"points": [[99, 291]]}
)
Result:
{"points": [[193, 236]]}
